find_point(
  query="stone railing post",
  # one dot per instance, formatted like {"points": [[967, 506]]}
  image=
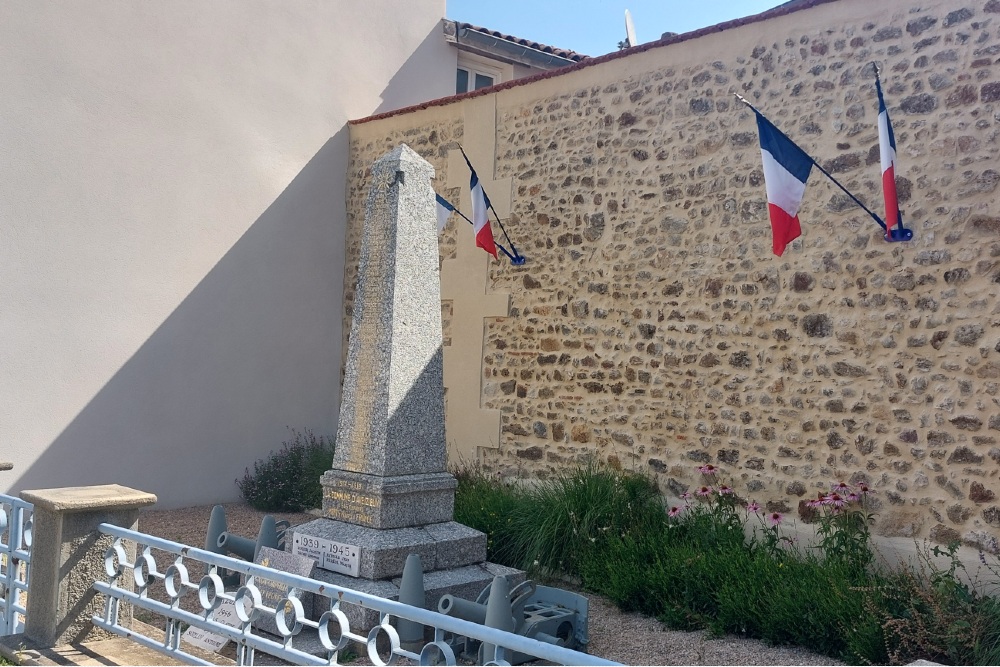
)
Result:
{"points": [[67, 557]]}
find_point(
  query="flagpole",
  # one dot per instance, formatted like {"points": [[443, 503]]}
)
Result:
{"points": [[817, 164], [517, 259], [513, 260]]}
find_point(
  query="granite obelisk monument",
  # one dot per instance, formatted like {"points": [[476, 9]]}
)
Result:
{"points": [[389, 493]]}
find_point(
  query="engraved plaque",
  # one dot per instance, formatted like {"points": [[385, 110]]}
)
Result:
{"points": [[272, 592], [329, 555], [225, 613]]}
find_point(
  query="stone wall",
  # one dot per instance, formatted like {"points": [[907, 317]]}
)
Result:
{"points": [[653, 328]]}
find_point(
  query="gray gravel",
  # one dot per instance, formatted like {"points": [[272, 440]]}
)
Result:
{"points": [[634, 639], [627, 638]]}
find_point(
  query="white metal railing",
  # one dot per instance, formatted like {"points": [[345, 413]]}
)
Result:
{"points": [[15, 562], [332, 627]]}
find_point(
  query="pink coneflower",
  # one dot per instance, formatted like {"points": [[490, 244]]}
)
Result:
{"points": [[840, 487], [705, 491], [753, 506], [674, 511], [775, 518], [685, 495], [864, 489], [707, 469], [834, 500], [816, 502], [853, 497], [725, 490]]}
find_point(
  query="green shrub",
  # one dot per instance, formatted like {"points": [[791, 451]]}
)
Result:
{"points": [[288, 479]]}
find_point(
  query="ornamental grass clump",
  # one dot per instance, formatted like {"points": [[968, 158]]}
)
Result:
{"points": [[551, 526], [574, 513], [488, 503]]}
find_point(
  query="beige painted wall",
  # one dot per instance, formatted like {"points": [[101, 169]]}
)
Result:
{"points": [[172, 214], [653, 328]]}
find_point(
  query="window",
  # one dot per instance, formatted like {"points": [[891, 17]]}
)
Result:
{"points": [[475, 76]]}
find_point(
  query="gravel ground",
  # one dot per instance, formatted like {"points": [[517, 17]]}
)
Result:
{"points": [[627, 638]]}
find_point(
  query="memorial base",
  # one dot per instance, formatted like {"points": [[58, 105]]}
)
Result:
{"points": [[452, 556]]}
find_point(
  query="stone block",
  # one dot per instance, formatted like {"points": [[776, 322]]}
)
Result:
{"points": [[388, 502], [68, 557]]}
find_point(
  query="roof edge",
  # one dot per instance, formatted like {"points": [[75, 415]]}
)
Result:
{"points": [[775, 12], [480, 43]]}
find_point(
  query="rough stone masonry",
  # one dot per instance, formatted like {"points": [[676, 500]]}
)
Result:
{"points": [[652, 327]]}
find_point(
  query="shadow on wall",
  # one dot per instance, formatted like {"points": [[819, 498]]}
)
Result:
{"points": [[416, 81], [252, 350]]}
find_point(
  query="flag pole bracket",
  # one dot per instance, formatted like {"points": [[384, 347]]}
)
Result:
{"points": [[899, 234]]}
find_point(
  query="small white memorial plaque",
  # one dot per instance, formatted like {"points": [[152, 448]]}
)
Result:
{"points": [[329, 555], [225, 613]]}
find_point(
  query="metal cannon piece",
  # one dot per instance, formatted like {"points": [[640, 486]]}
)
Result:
{"points": [[219, 540], [544, 613]]}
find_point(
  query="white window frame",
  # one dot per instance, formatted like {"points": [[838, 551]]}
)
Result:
{"points": [[474, 64]]}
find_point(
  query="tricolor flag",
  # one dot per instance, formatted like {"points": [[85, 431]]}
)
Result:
{"points": [[887, 149], [480, 217], [786, 168], [444, 211], [480, 210]]}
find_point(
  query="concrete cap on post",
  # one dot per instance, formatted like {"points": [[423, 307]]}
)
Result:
{"points": [[67, 557], [88, 498]]}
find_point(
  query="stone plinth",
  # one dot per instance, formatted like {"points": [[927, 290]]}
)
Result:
{"points": [[388, 502], [67, 557]]}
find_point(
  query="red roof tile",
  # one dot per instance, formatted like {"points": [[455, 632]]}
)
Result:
{"points": [[562, 53]]}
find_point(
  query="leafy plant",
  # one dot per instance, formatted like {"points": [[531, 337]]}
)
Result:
{"points": [[288, 479], [929, 613], [845, 525]]}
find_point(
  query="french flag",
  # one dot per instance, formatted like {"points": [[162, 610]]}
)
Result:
{"points": [[786, 169], [887, 149], [480, 218]]}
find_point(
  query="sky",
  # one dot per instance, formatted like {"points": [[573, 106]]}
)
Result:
{"points": [[594, 27]]}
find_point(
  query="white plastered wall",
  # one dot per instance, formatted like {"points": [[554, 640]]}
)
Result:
{"points": [[172, 216]]}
